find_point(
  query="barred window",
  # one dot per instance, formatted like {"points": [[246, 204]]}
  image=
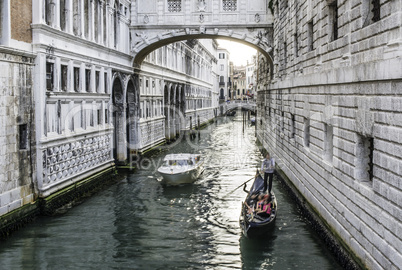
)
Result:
{"points": [[174, 5], [229, 5]]}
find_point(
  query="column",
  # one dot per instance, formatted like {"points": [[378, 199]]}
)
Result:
{"points": [[57, 75], [93, 79], [100, 24], [82, 18], [38, 11], [82, 78], [102, 80], [91, 21], [56, 13], [70, 76], [69, 16]]}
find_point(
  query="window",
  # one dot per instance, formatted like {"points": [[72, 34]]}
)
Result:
{"points": [[306, 132], [99, 115], [64, 70], [76, 79], [292, 126], [296, 44], [88, 80], [174, 5], [372, 11], [364, 158], [310, 40], [229, 5], [222, 67], [221, 56], [328, 143], [285, 53], [97, 74], [105, 83], [23, 134], [49, 76], [106, 116], [333, 21]]}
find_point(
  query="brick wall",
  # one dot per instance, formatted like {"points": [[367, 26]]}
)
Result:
{"points": [[342, 101], [21, 19]]}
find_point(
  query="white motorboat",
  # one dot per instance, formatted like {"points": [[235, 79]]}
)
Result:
{"points": [[181, 168]]}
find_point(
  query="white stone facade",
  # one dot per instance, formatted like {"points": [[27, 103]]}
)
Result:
{"points": [[176, 89], [331, 116], [82, 74]]}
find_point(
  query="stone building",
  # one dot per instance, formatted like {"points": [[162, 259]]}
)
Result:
{"points": [[177, 90], [331, 116], [74, 104]]}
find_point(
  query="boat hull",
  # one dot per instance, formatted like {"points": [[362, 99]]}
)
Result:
{"points": [[186, 177], [253, 226]]}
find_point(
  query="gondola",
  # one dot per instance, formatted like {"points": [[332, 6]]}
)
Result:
{"points": [[252, 224]]}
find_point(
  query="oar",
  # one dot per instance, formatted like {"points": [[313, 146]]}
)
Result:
{"points": [[242, 184]]}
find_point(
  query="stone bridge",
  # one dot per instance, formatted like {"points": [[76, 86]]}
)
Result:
{"points": [[235, 104], [158, 23]]}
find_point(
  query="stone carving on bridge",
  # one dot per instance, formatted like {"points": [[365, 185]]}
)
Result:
{"points": [[146, 19], [202, 5], [257, 18]]}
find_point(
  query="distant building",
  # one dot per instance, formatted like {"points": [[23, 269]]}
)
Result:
{"points": [[223, 73]]}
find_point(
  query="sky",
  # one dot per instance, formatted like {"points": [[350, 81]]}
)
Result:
{"points": [[239, 53]]}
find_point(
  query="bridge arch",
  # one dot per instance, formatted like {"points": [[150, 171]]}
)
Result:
{"points": [[144, 46]]}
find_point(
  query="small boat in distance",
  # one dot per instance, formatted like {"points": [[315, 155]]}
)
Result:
{"points": [[181, 168], [256, 223]]}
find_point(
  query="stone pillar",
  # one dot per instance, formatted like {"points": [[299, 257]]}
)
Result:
{"points": [[91, 21], [93, 79], [57, 75], [82, 19], [38, 12], [70, 76], [102, 80], [69, 16], [82, 78], [101, 27], [56, 19]]}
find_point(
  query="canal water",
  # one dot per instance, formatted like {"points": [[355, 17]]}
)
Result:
{"points": [[141, 224]]}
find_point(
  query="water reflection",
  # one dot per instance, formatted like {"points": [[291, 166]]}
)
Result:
{"points": [[141, 224]]}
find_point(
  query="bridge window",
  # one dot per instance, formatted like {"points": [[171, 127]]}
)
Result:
{"points": [[174, 5], [229, 5]]}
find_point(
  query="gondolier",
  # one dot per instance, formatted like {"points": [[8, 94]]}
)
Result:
{"points": [[268, 167]]}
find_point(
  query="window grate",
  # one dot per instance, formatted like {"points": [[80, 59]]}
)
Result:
{"points": [[229, 5], [376, 10], [174, 5]]}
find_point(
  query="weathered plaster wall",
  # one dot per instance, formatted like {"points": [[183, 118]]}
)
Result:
{"points": [[17, 143]]}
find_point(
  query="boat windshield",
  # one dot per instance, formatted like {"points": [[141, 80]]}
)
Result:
{"points": [[177, 162]]}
